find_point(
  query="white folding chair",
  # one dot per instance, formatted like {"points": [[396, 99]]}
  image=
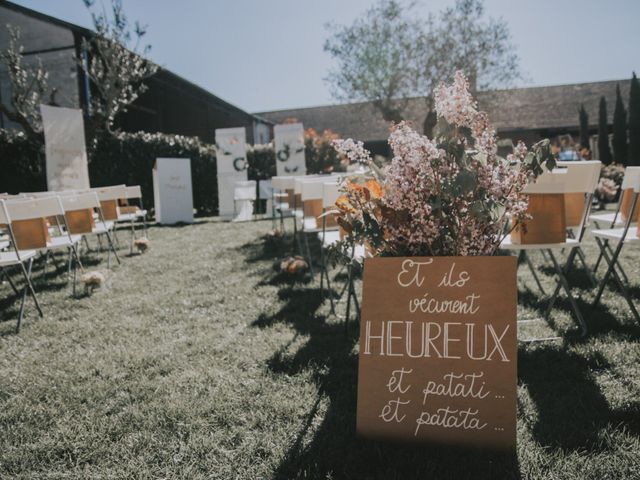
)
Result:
{"points": [[620, 236], [134, 193], [614, 219], [244, 191], [75, 202], [43, 208], [280, 196], [17, 257], [265, 192], [579, 177]]}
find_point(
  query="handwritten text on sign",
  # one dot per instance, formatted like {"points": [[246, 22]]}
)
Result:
{"points": [[438, 350]]}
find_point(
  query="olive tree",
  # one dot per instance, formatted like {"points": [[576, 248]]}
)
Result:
{"points": [[393, 53]]}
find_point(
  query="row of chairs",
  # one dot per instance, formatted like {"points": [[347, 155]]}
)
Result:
{"points": [[582, 178], [305, 198], [45, 222]]}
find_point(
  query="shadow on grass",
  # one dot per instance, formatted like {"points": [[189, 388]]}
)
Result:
{"points": [[331, 449], [325, 444], [573, 414]]}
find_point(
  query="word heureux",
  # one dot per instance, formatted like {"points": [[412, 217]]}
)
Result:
{"points": [[436, 340]]}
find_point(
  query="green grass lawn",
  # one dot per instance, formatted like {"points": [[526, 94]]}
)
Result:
{"points": [[196, 360]]}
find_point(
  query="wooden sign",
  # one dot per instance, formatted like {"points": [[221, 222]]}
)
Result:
{"points": [[172, 190], [438, 351], [289, 146], [66, 152]]}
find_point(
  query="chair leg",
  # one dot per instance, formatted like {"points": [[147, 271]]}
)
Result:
{"points": [[611, 271], [556, 292], [583, 260], [526, 258], [13, 286], [611, 265], [565, 285], [133, 237], [308, 254], [28, 289], [112, 248]]}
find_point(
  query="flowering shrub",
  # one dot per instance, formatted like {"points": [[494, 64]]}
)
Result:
{"points": [[450, 195], [320, 156], [606, 190]]}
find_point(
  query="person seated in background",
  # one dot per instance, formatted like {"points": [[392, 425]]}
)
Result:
{"points": [[585, 153], [569, 155]]}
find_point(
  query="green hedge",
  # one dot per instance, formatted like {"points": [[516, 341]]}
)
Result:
{"points": [[129, 157]]}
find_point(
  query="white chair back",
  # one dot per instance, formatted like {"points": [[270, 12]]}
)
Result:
{"points": [[80, 201], [27, 209], [631, 179], [265, 189], [115, 192], [283, 182], [330, 194], [133, 192], [244, 190], [5, 218], [583, 177]]}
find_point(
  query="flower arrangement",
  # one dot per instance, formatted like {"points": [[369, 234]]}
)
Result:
{"points": [[447, 196]]}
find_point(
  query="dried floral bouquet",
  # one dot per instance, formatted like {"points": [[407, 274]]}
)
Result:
{"points": [[447, 196]]}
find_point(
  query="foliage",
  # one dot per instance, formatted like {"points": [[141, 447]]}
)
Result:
{"points": [[604, 151], [584, 126], [619, 130], [261, 161], [114, 64], [28, 85], [21, 163], [451, 195], [391, 54], [634, 122], [320, 156], [129, 158]]}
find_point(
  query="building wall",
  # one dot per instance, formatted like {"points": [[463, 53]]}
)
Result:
{"points": [[43, 41]]}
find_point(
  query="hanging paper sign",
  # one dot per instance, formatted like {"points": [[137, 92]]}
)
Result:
{"points": [[65, 148], [172, 190], [438, 351], [289, 146], [231, 161]]}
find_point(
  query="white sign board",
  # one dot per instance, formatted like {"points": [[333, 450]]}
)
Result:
{"points": [[65, 148], [172, 190], [231, 161], [289, 145]]}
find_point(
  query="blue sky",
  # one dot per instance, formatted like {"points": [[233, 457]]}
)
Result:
{"points": [[267, 54]]}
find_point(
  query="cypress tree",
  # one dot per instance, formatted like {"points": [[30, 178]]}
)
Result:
{"points": [[634, 122], [584, 126], [619, 130], [603, 133]]}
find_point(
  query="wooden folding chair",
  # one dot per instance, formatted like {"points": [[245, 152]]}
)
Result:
{"points": [[17, 257], [33, 232], [579, 177], [620, 236], [79, 214]]}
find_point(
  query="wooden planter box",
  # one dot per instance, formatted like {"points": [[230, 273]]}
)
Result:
{"points": [[438, 351], [80, 221], [548, 223], [30, 234]]}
